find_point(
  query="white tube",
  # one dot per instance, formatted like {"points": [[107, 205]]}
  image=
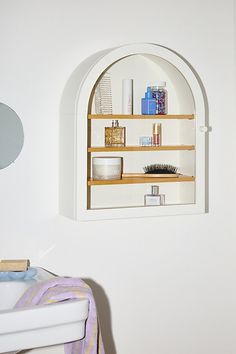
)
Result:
{"points": [[127, 96]]}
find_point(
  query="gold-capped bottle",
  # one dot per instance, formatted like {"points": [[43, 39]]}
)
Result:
{"points": [[115, 135]]}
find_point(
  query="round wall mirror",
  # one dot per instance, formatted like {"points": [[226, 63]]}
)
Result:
{"points": [[11, 136]]}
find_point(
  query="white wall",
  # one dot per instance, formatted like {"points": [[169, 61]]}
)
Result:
{"points": [[169, 281]]}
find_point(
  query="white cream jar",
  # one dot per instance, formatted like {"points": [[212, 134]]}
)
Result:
{"points": [[107, 167]]}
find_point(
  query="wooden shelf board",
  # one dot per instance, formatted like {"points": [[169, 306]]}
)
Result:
{"points": [[181, 178], [140, 116], [140, 206], [140, 148]]}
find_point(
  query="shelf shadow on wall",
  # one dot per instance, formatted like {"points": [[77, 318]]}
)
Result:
{"points": [[104, 314]]}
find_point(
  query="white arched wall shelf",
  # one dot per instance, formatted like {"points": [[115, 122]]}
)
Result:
{"points": [[142, 62]]}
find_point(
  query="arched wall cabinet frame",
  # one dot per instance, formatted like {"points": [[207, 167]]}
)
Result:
{"points": [[74, 190]]}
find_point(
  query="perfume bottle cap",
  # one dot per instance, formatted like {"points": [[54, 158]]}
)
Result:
{"points": [[155, 190], [156, 128]]}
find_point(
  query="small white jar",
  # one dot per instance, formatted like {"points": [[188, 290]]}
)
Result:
{"points": [[107, 167]]}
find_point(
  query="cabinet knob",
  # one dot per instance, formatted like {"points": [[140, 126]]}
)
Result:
{"points": [[204, 129]]}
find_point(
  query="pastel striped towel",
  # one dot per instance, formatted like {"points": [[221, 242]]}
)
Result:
{"points": [[60, 289]]}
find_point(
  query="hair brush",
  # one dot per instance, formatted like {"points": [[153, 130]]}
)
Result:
{"points": [[153, 171], [161, 169]]}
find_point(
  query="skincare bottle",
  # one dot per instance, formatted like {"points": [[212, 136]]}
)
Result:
{"points": [[160, 94], [154, 89], [148, 103], [105, 167], [145, 141], [154, 198], [127, 96], [161, 98], [156, 134], [115, 135], [103, 95]]}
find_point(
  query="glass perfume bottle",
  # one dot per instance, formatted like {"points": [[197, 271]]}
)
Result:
{"points": [[154, 198], [115, 135]]}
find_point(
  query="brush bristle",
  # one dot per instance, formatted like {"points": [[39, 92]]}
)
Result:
{"points": [[160, 169]]}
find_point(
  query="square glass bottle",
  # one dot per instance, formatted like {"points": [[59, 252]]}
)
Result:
{"points": [[115, 135]]}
